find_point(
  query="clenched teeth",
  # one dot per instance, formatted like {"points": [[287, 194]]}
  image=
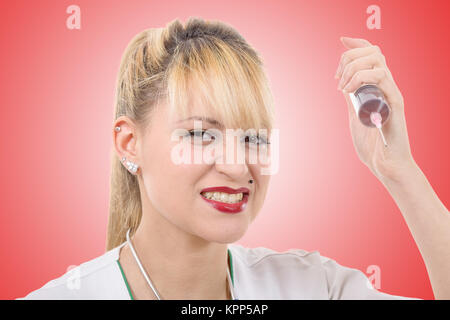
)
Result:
{"points": [[223, 196]]}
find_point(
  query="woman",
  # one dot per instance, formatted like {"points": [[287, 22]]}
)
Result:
{"points": [[172, 224]]}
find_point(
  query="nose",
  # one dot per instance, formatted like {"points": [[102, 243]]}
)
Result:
{"points": [[236, 171], [232, 163]]}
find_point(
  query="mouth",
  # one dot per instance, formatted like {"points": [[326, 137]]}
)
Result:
{"points": [[225, 199]]}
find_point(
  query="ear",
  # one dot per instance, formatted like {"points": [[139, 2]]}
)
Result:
{"points": [[124, 140]]}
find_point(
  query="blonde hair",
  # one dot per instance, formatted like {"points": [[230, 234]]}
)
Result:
{"points": [[208, 58]]}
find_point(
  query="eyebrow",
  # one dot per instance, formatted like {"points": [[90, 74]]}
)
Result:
{"points": [[206, 119]]}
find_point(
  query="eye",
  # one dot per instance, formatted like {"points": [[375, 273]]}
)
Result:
{"points": [[256, 140], [203, 134]]}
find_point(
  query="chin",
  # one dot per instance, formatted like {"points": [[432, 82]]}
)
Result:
{"points": [[224, 234]]}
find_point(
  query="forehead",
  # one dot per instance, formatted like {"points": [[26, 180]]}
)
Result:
{"points": [[211, 98], [195, 109]]}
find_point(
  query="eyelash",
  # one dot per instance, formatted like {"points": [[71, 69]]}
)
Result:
{"points": [[246, 138], [261, 139], [192, 133]]}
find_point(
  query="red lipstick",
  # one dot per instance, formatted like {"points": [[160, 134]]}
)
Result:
{"points": [[227, 207]]}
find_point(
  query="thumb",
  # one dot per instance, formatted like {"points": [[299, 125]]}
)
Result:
{"points": [[351, 109], [351, 43]]}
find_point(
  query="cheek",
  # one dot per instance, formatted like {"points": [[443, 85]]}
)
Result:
{"points": [[171, 188], [260, 186], [262, 192], [261, 180]]}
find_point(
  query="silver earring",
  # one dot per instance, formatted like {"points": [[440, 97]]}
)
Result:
{"points": [[117, 129], [130, 165]]}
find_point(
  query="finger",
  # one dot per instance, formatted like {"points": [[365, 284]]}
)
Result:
{"points": [[354, 42], [367, 62], [352, 54], [379, 77], [351, 110]]}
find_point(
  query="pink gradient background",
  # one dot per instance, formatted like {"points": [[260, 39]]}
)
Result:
{"points": [[57, 103]]}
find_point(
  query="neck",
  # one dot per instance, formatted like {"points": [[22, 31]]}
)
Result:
{"points": [[180, 265]]}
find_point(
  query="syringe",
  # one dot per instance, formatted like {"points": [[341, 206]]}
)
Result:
{"points": [[375, 118]]}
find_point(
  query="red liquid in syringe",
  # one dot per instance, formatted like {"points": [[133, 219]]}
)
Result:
{"points": [[371, 107]]}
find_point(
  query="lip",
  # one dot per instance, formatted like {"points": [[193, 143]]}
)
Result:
{"points": [[228, 207]]}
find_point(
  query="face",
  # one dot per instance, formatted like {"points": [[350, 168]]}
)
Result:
{"points": [[190, 195]]}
